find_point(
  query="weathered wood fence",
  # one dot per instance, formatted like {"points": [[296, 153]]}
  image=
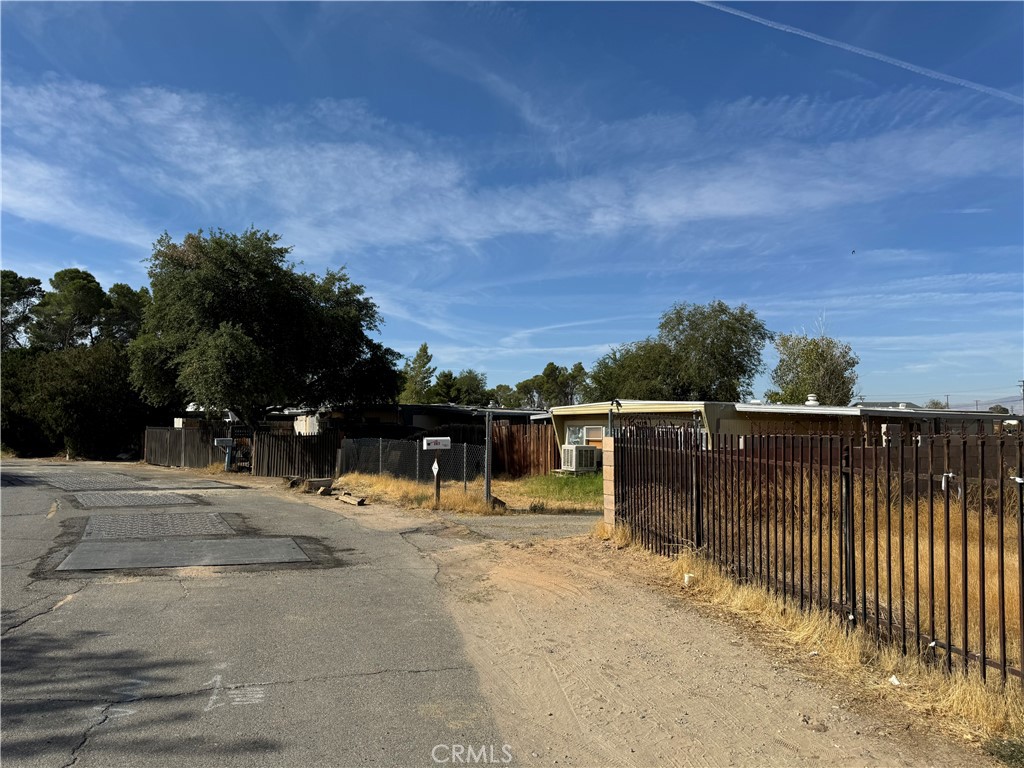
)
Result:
{"points": [[193, 447], [277, 455], [524, 449]]}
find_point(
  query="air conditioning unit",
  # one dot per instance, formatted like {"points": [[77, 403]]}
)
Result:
{"points": [[579, 458]]}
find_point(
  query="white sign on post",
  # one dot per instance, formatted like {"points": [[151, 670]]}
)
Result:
{"points": [[436, 468], [437, 443]]}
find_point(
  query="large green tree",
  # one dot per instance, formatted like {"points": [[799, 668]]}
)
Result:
{"points": [[555, 385], [82, 400], [418, 374], [506, 397], [716, 350], [641, 370], [444, 389], [820, 365], [69, 389], [70, 313], [19, 429], [702, 352], [471, 388], [18, 294], [121, 319], [233, 325]]}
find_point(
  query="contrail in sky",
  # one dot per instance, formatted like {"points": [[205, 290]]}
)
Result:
{"points": [[864, 52]]}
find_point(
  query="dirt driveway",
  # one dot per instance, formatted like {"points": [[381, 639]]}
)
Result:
{"points": [[589, 658]]}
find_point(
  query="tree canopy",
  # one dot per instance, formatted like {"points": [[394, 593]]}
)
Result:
{"points": [[123, 312], [418, 374], [702, 352], [820, 365], [18, 295], [65, 383], [444, 388], [233, 325], [70, 313], [641, 370], [471, 388]]}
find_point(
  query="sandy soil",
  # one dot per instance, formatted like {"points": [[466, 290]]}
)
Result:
{"points": [[589, 659]]}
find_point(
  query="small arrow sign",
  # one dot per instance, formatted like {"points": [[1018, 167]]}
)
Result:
{"points": [[436, 468]]}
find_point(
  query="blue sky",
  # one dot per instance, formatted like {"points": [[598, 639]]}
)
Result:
{"points": [[519, 183]]}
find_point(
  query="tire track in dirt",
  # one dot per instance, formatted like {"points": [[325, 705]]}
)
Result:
{"points": [[586, 664]]}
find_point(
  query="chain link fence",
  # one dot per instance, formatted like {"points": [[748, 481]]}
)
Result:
{"points": [[407, 459]]}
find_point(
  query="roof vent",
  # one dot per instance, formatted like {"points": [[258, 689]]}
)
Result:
{"points": [[755, 402], [903, 406], [812, 400]]}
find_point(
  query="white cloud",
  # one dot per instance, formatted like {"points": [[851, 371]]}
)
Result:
{"points": [[338, 181], [37, 191]]}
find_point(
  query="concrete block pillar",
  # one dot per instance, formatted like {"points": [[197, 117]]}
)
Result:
{"points": [[608, 464]]}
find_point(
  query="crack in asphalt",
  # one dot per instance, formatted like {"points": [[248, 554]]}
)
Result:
{"points": [[30, 603], [87, 734], [51, 609]]}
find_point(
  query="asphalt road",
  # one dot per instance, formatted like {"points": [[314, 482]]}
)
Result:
{"points": [[350, 659]]}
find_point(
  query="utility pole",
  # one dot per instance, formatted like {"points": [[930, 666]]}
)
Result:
{"points": [[947, 402], [1022, 396]]}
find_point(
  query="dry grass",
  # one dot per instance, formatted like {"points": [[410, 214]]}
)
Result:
{"points": [[962, 704], [789, 536], [905, 545], [552, 495]]}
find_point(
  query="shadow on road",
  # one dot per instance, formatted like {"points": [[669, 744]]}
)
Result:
{"points": [[60, 691]]}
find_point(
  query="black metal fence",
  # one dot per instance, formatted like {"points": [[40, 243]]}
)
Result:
{"points": [[919, 540], [407, 459]]}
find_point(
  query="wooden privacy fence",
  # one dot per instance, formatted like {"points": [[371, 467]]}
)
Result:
{"points": [[276, 455], [524, 449], [911, 540], [193, 447]]}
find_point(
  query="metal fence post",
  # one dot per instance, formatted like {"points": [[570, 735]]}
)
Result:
{"points": [[380, 456], [847, 531], [465, 468], [698, 501], [418, 447], [488, 449]]}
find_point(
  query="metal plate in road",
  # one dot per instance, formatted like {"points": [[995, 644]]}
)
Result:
{"points": [[93, 481], [149, 525], [180, 553], [131, 499]]}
